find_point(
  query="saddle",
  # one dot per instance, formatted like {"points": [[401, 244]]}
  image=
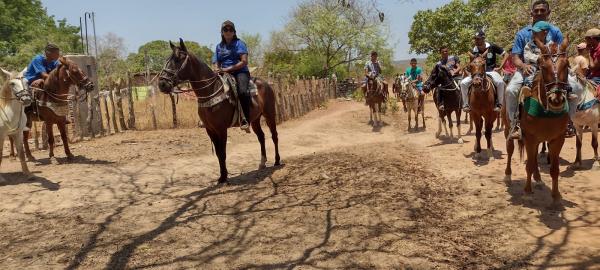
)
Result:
{"points": [[229, 93]]}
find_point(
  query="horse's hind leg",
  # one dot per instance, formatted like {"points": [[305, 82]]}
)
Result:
{"points": [[12, 147], [1, 147], [273, 128], [458, 127], [554, 148], [489, 126], [595, 145], [261, 139], [62, 128], [26, 141]]}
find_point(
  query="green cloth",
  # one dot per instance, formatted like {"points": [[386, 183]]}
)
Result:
{"points": [[535, 109]]}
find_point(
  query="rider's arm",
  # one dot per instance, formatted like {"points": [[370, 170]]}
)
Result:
{"points": [[594, 65], [241, 64]]}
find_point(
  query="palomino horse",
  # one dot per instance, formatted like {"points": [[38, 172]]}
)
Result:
{"points": [[375, 96], [588, 114], [414, 103], [544, 116], [51, 104], [445, 86], [214, 106], [13, 99], [482, 99]]}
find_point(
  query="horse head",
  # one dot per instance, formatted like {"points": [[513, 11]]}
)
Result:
{"points": [[477, 68], [17, 88], [176, 68], [553, 79], [70, 73]]}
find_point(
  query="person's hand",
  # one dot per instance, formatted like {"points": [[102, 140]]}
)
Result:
{"points": [[527, 69], [497, 70]]}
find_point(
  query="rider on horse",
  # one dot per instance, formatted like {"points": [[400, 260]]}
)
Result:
{"points": [[231, 56], [581, 65], [374, 70], [41, 65], [525, 54], [490, 65], [414, 74], [592, 39], [452, 64]]}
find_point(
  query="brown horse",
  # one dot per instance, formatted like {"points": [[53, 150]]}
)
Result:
{"points": [[51, 104], [214, 108], [375, 95], [440, 80], [482, 100], [549, 91]]}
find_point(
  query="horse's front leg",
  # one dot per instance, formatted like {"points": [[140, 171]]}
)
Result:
{"points": [[489, 126], [595, 146], [460, 140], [18, 138], [554, 148], [219, 140], [26, 140], [62, 128], [50, 132]]}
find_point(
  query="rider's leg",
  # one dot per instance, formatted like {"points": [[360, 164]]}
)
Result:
{"points": [[243, 85], [464, 90], [500, 86], [512, 103]]}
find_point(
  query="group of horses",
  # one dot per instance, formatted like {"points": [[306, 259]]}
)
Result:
{"points": [[20, 105], [549, 93]]}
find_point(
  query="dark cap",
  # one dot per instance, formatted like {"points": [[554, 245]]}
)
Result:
{"points": [[228, 23], [373, 53], [51, 47], [479, 34]]}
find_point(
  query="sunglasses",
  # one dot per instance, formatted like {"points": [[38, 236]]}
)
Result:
{"points": [[227, 29]]}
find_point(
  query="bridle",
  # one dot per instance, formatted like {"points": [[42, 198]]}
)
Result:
{"points": [[556, 83], [172, 76], [84, 83], [448, 87], [480, 75]]}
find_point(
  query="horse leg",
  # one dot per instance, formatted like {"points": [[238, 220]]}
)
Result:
{"points": [[409, 113], [12, 147], [578, 144], [510, 149], [531, 148], [18, 138], [478, 127], [554, 148], [26, 141], [416, 111], [446, 125], [489, 126], [439, 131], [595, 145], [50, 132], [261, 139], [1, 147], [371, 109], [422, 110], [458, 127], [64, 137], [272, 124], [220, 143]]}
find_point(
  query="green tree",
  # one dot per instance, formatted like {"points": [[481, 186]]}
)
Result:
{"points": [[158, 51], [255, 49], [26, 28]]}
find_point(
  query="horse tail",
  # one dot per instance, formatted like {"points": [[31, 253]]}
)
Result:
{"points": [[521, 149]]}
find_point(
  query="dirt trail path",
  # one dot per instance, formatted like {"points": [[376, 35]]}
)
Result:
{"points": [[348, 197]]}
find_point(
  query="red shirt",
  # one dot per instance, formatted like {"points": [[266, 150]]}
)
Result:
{"points": [[509, 67], [595, 55]]}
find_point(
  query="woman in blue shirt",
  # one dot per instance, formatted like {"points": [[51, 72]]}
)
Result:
{"points": [[231, 56]]}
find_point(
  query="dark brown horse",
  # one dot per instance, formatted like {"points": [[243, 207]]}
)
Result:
{"points": [[482, 100], [376, 93], [214, 108], [51, 104], [440, 80], [549, 91]]}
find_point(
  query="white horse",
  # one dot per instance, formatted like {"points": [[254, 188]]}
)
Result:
{"points": [[409, 90], [588, 114], [14, 97]]}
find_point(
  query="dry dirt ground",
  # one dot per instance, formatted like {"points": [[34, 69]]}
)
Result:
{"points": [[348, 197]]}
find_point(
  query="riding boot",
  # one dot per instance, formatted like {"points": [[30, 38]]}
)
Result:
{"points": [[245, 101]]}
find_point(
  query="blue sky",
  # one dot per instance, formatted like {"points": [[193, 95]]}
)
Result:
{"points": [[141, 21]]}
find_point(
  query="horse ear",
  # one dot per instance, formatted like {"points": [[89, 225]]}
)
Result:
{"points": [[171, 45], [565, 44], [540, 45], [22, 72], [182, 45], [6, 73], [471, 56], [62, 60]]}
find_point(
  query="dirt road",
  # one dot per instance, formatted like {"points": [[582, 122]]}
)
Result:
{"points": [[348, 197]]}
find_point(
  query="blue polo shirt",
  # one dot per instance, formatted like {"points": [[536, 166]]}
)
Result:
{"points": [[38, 66], [413, 74], [230, 54], [525, 36]]}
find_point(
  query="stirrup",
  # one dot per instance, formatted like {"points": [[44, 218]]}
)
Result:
{"points": [[466, 109], [245, 126], [515, 133], [498, 108]]}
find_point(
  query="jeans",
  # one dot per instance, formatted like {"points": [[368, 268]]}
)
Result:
{"points": [[512, 95], [595, 79], [243, 88], [496, 78]]}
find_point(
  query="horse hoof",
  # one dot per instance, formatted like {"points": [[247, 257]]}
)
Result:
{"points": [[222, 181], [460, 141], [261, 166], [508, 179], [539, 185], [54, 161], [596, 166], [277, 163], [70, 157], [31, 159]]}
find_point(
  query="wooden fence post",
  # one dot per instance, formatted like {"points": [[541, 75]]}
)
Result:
{"points": [[131, 119], [119, 94], [173, 109], [105, 102], [112, 104]]}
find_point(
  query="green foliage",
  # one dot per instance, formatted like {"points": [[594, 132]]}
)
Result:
{"points": [[158, 51], [26, 28], [254, 44], [323, 37], [454, 23]]}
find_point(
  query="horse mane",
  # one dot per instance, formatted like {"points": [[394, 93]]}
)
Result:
{"points": [[52, 81]]}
